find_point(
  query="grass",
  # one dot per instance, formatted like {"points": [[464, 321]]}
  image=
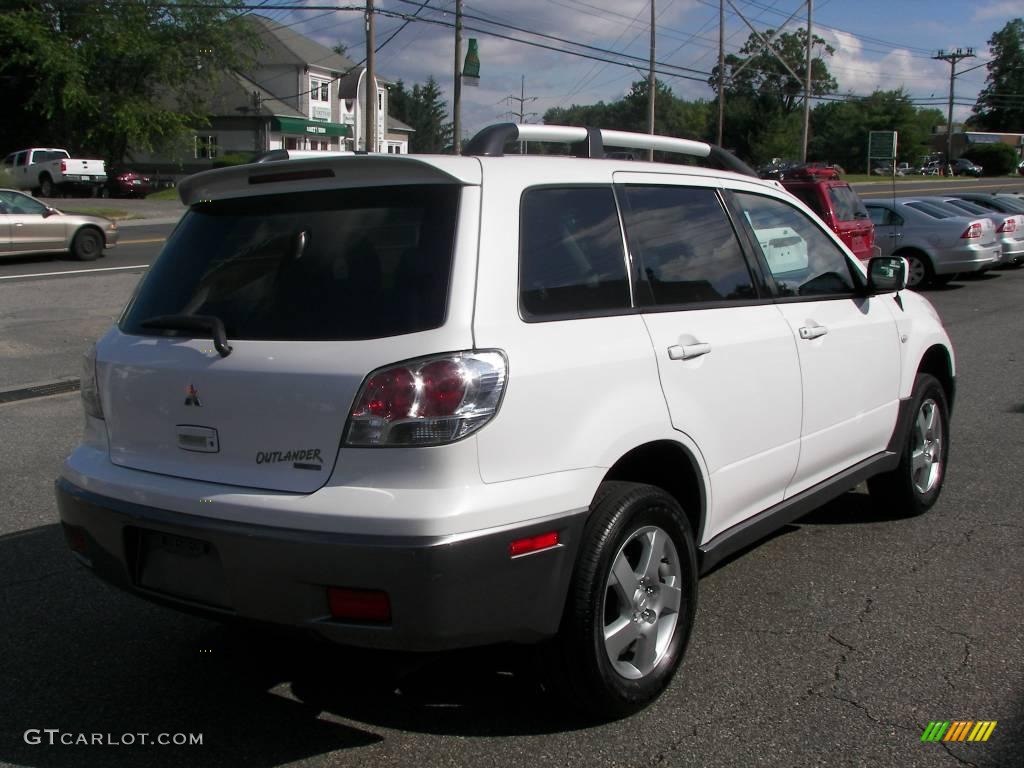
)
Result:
{"points": [[164, 194]]}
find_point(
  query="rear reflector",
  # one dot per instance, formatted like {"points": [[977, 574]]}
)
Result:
{"points": [[76, 538], [533, 544], [359, 604]]}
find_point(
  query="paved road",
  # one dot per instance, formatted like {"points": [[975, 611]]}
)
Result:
{"points": [[909, 185], [833, 643]]}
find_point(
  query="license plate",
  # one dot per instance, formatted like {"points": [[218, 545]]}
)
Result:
{"points": [[182, 567]]}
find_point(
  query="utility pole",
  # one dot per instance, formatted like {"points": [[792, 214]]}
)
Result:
{"points": [[522, 114], [370, 145], [457, 90], [651, 83], [952, 57], [807, 88], [721, 70]]}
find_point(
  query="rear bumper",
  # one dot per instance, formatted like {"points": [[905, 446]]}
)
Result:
{"points": [[444, 592], [970, 259]]}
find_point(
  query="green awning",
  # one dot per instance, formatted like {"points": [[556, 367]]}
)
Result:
{"points": [[308, 127]]}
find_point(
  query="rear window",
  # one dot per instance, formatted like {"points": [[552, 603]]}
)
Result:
{"points": [[969, 207], [333, 265], [46, 156], [809, 197], [846, 205], [931, 210]]}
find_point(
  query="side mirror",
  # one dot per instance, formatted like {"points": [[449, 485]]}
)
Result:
{"points": [[48, 212], [887, 274]]}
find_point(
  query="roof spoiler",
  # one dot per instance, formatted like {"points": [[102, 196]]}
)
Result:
{"points": [[590, 142]]}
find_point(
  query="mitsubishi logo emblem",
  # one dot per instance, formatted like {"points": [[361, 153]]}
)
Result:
{"points": [[192, 396]]}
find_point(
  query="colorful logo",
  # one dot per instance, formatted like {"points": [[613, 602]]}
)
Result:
{"points": [[958, 730]]}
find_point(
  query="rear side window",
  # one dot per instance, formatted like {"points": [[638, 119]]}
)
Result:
{"points": [[846, 204], [685, 246], [930, 210], [571, 260], [332, 265]]}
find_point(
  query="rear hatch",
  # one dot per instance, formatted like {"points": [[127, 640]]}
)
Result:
{"points": [[314, 289], [842, 210]]}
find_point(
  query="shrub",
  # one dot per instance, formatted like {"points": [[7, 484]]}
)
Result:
{"points": [[995, 159]]}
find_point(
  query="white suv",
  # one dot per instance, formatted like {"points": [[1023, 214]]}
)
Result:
{"points": [[420, 403]]}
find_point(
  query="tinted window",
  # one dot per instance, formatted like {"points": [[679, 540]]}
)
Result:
{"points": [[930, 210], [803, 260], [684, 245], [17, 203], [883, 217], [846, 205], [340, 264], [968, 207], [42, 157], [571, 259]]}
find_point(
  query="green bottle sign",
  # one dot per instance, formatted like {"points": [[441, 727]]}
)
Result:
{"points": [[471, 68]]}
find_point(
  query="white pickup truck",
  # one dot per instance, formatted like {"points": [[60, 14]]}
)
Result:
{"points": [[49, 172]]}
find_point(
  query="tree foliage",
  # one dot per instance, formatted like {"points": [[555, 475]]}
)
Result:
{"points": [[994, 159], [839, 129], [763, 98], [103, 76], [672, 116], [423, 108], [1000, 105]]}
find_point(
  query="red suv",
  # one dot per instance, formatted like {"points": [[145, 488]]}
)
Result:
{"points": [[840, 208]]}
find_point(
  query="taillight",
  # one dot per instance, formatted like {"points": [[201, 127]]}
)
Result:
{"points": [[88, 387], [972, 231], [429, 401], [63, 166], [1008, 225]]}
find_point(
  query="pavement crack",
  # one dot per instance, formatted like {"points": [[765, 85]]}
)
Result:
{"points": [[837, 641], [955, 756]]}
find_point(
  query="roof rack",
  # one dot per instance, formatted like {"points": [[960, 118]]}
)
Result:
{"points": [[590, 142]]}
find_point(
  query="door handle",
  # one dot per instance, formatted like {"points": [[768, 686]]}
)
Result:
{"points": [[687, 351], [813, 331]]}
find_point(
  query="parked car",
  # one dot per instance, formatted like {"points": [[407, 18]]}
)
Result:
{"points": [[931, 168], [1009, 226], [50, 172], [777, 170], [1001, 203], [964, 167], [841, 209], [28, 226], [935, 242], [123, 182], [813, 172], [365, 448]]}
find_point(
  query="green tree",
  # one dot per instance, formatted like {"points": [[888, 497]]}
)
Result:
{"points": [[839, 129], [1000, 105], [762, 97], [106, 75], [423, 109]]}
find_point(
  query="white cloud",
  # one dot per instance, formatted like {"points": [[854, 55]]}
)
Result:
{"points": [[1007, 10]]}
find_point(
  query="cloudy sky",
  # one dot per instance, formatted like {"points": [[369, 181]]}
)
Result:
{"points": [[878, 44]]}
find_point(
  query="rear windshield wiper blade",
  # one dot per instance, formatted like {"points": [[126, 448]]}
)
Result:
{"points": [[194, 323]]}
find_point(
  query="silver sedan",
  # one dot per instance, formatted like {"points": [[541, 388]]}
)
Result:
{"points": [[937, 243], [1009, 226], [28, 226]]}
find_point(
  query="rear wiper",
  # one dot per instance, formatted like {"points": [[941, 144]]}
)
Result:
{"points": [[194, 323]]}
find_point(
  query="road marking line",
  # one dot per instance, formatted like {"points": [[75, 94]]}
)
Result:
{"points": [[74, 272], [140, 242]]}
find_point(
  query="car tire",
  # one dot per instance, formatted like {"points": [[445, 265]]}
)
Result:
{"points": [[920, 274], [87, 245], [631, 603], [46, 187], [914, 486]]}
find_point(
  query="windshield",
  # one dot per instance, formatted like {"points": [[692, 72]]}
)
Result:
{"points": [[332, 265]]}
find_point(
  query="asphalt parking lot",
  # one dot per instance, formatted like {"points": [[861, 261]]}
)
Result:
{"points": [[833, 643]]}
